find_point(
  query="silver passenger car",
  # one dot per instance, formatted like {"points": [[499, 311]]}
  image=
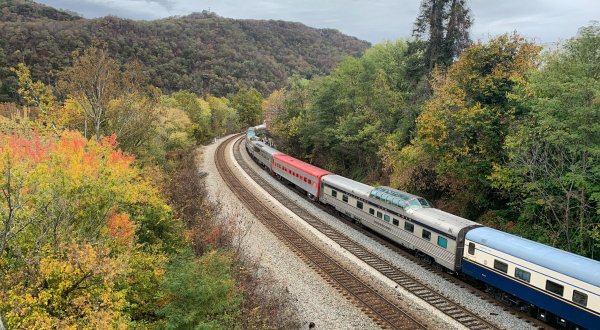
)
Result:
{"points": [[262, 153], [402, 217]]}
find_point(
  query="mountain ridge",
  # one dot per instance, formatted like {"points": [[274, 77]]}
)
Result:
{"points": [[201, 52]]}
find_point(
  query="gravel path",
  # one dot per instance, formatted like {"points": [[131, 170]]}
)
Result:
{"points": [[492, 313], [314, 299]]}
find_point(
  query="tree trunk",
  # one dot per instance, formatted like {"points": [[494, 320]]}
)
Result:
{"points": [[1, 324], [436, 32], [97, 127]]}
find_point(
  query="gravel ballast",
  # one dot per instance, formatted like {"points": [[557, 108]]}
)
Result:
{"points": [[475, 304]]}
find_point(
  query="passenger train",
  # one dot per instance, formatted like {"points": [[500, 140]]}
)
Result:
{"points": [[556, 286]]}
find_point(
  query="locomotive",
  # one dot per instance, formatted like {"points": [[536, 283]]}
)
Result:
{"points": [[556, 286]]}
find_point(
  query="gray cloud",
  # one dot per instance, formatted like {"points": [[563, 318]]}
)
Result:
{"points": [[167, 4], [135, 9], [375, 20]]}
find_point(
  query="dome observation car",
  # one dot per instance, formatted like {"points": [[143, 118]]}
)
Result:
{"points": [[399, 198]]}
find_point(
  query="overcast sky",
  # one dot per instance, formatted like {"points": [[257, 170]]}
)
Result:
{"points": [[545, 21]]}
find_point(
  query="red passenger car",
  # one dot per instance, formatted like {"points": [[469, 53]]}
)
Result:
{"points": [[303, 175]]}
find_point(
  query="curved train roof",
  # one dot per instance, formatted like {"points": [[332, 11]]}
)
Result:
{"points": [[357, 188], [399, 198], [265, 148], [447, 222], [573, 265], [300, 165]]}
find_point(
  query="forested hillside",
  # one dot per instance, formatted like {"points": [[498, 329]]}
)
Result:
{"points": [[203, 52]]}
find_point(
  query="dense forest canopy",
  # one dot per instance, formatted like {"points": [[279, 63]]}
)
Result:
{"points": [[202, 52]]}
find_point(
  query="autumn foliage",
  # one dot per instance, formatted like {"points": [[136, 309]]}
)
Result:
{"points": [[71, 208]]}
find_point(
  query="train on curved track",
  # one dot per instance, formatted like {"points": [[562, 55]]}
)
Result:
{"points": [[555, 286]]}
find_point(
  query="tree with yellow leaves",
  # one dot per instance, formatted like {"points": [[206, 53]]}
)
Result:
{"points": [[463, 126], [40, 96], [76, 221]]}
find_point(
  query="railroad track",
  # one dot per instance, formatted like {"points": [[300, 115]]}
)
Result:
{"points": [[409, 283], [381, 310]]}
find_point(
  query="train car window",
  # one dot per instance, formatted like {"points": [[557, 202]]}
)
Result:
{"points": [[333, 193], [426, 234], [395, 222], [409, 227], [371, 211], [345, 198], [522, 275], [359, 204], [442, 241], [555, 288], [305, 180], [379, 214], [580, 298], [386, 218], [501, 266], [472, 249]]}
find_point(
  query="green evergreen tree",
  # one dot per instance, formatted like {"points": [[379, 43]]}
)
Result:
{"points": [[444, 25]]}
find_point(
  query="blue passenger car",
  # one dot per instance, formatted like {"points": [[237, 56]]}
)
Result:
{"points": [[564, 286]]}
